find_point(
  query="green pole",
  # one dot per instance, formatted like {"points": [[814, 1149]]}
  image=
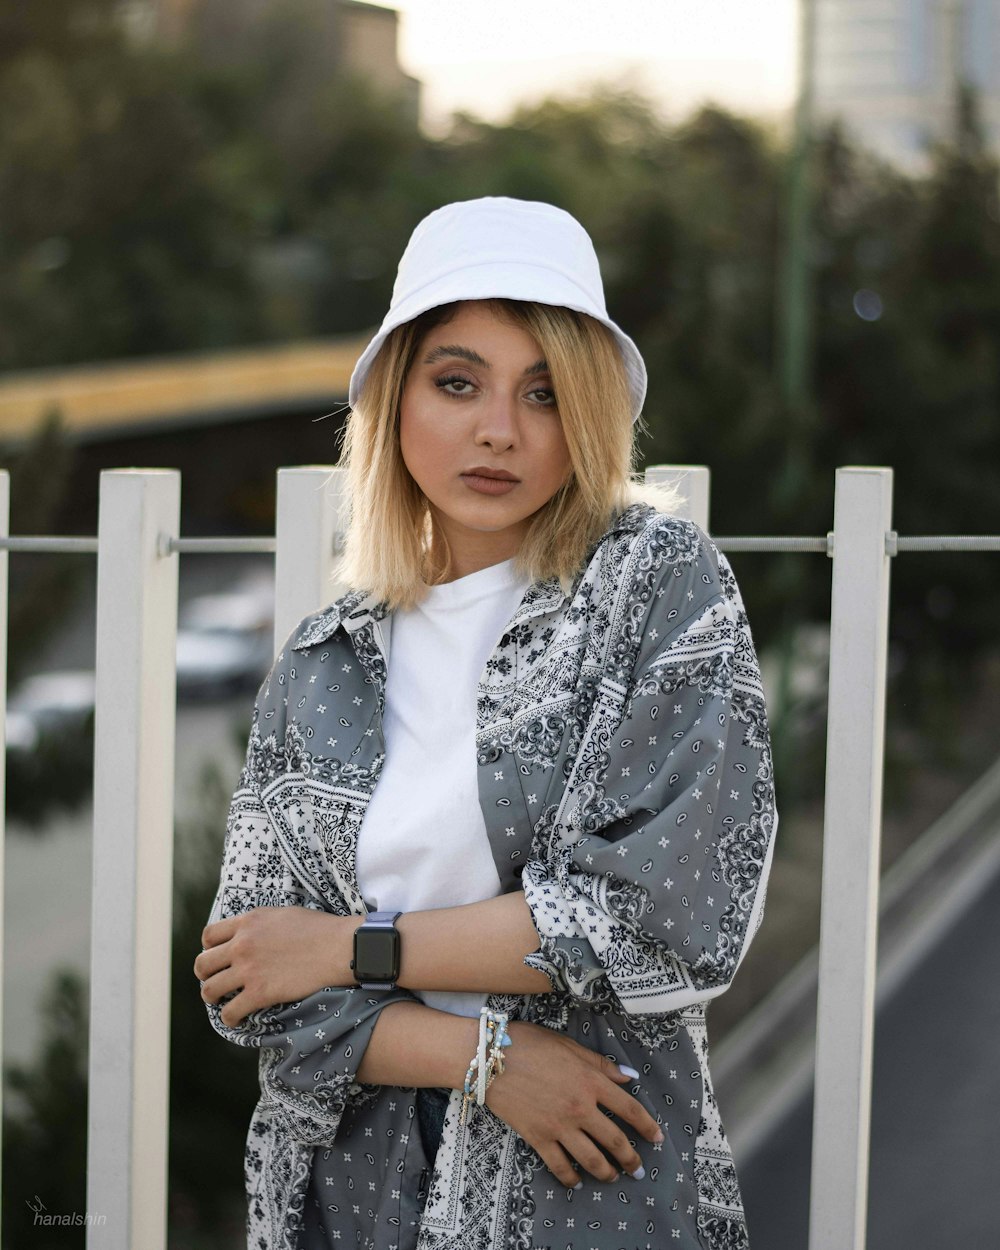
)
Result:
{"points": [[793, 305], [793, 369]]}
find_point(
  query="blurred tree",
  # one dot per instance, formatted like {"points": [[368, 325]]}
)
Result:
{"points": [[63, 29], [909, 376], [213, 1084], [45, 1123], [58, 773], [43, 587], [322, 159], [115, 239]]}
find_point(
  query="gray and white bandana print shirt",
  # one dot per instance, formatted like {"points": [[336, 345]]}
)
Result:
{"points": [[625, 777]]}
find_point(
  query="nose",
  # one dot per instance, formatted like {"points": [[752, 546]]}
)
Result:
{"points": [[497, 422]]}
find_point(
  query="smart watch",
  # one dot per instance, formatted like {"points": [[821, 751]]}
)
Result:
{"points": [[377, 951]]}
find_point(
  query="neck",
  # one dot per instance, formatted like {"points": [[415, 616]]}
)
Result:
{"points": [[447, 564]]}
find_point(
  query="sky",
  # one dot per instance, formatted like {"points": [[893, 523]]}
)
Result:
{"points": [[484, 56]]}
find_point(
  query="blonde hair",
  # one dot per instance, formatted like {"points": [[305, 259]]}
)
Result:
{"points": [[389, 527]]}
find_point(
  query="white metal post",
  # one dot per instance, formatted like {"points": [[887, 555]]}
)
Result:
{"points": [[5, 531], [133, 860], [307, 527], [694, 481], [851, 838]]}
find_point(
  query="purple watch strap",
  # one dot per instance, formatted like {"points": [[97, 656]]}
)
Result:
{"points": [[387, 918]]}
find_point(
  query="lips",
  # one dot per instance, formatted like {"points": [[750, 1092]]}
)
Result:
{"points": [[490, 481], [500, 475]]}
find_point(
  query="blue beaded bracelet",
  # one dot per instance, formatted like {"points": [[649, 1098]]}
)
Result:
{"points": [[493, 1039]]}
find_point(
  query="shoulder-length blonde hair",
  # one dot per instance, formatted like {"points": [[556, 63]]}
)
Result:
{"points": [[388, 525]]}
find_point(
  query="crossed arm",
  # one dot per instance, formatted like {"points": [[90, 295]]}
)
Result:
{"points": [[282, 954], [554, 1090]]}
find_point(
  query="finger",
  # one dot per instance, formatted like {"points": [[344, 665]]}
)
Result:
{"points": [[632, 1112], [210, 961], [584, 1149], [559, 1164], [622, 1072], [223, 983], [218, 931], [233, 1013], [610, 1136]]}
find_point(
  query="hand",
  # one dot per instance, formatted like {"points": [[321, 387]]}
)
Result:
{"points": [[273, 955], [551, 1092]]}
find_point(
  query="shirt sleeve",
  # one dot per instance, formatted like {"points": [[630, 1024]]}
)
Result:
{"points": [[310, 1051], [655, 882]]}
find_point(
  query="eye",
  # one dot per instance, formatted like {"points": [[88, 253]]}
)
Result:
{"points": [[544, 395], [454, 380]]}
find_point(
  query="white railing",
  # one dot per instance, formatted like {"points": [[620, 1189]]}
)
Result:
{"points": [[137, 560]]}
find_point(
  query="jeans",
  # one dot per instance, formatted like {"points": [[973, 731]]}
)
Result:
{"points": [[432, 1103]]}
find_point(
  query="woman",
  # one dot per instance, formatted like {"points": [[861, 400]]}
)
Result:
{"points": [[519, 774]]}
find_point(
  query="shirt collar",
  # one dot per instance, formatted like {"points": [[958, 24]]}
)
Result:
{"points": [[358, 608], [353, 610]]}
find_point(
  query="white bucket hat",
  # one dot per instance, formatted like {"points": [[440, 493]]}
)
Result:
{"points": [[497, 247]]}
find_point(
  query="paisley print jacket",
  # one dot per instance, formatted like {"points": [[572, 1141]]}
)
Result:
{"points": [[625, 778]]}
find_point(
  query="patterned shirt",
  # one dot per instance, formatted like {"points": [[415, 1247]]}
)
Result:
{"points": [[625, 777]]}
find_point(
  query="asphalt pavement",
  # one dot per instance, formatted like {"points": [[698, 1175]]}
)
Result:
{"points": [[935, 1134]]}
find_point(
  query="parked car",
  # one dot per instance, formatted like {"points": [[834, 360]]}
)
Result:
{"points": [[49, 703], [225, 644], [50, 744]]}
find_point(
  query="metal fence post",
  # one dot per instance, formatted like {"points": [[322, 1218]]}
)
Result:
{"points": [[133, 860], [852, 833], [694, 481], [306, 528]]}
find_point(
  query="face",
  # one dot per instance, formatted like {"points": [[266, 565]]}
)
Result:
{"points": [[479, 397]]}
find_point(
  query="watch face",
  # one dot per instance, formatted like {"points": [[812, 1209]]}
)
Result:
{"points": [[376, 954]]}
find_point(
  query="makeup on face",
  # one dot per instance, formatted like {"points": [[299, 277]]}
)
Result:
{"points": [[480, 432]]}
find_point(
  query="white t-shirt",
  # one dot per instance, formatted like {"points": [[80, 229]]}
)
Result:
{"points": [[423, 841]]}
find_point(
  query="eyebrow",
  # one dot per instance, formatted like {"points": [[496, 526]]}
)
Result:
{"points": [[474, 358]]}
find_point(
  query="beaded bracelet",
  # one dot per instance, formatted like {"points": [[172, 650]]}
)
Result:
{"points": [[488, 1062]]}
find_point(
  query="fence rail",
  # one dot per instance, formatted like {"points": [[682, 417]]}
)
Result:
{"points": [[137, 548], [266, 546]]}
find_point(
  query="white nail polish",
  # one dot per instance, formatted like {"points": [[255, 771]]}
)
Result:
{"points": [[578, 1185], [639, 1173], [626, 1071]]}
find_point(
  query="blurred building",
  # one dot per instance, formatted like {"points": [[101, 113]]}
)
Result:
{"points": [[890, 69], [344, 34]]}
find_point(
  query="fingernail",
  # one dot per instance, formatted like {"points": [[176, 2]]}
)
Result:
{"points": [[628, 1071], [659, 1135], [639, 1173], [578, 1185]]}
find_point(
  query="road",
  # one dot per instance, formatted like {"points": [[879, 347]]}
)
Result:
{"points": [[935, 1140]]}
